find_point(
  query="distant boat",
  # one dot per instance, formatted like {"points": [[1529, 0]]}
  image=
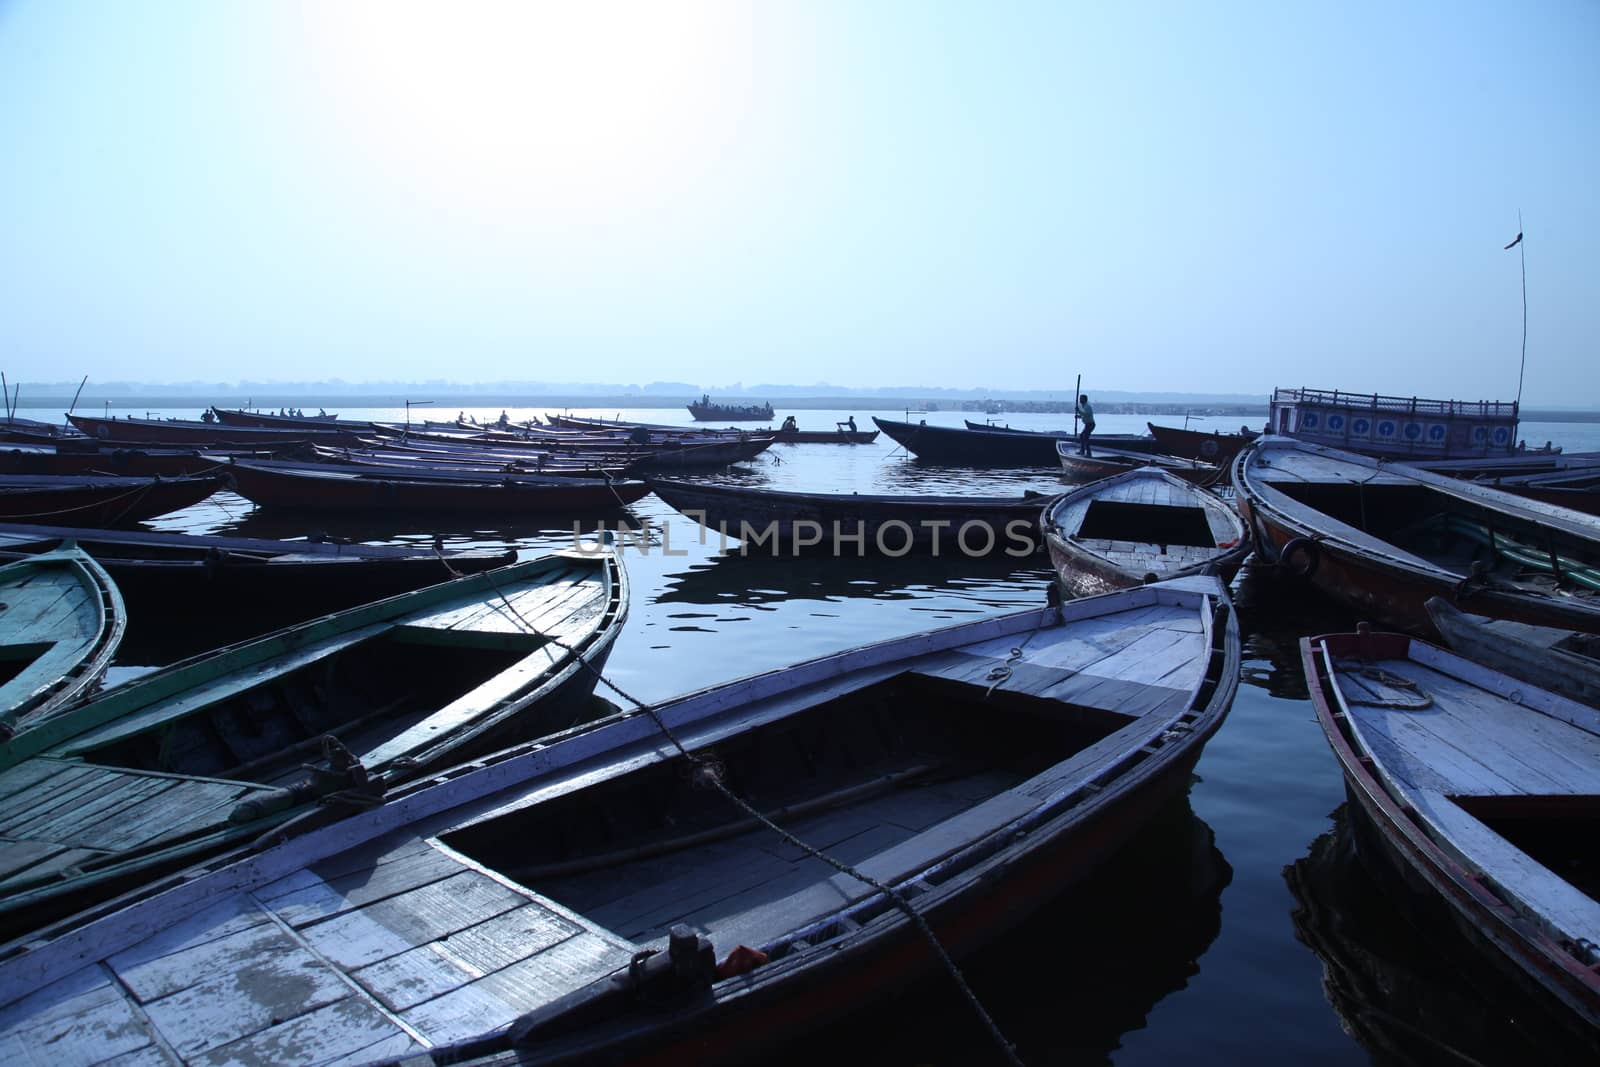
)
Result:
{"points": [[1128, 442], [243, 417], [1212, 447], [778, 522], [1382, 538], [61, 621], [1481, 791], [965, 447], [780, 435], [1140, 526], [706, 411], [1103, 462], [311, 722], [593, 899], [1395, 427]]}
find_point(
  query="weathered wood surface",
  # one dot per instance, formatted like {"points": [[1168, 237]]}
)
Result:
{"points": [[62, 620], [381, 940], [429, 951], [1448, 729]]}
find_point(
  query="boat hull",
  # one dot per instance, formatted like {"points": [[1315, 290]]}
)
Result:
{"points": [[1389, 585], [287, 489], [1542, 969], [85, 500], [853, 525]]}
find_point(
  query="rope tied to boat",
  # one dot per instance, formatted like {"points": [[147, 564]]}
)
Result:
{"points": [[1390, 680], [706, 771]]}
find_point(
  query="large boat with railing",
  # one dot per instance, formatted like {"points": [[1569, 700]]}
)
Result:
{"points": [[1395, 426]]}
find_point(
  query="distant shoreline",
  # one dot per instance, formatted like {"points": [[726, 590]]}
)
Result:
{"points": [[137, 404]]}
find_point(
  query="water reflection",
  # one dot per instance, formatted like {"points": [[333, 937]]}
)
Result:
{"points": [[1072, 979], [1401, 977], [733, 578], [1274, 613]]}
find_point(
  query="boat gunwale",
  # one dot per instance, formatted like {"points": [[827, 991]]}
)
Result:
{"points": [[1521, 940]]}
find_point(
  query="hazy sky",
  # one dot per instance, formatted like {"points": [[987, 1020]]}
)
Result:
{"points": [[1206, 197]]}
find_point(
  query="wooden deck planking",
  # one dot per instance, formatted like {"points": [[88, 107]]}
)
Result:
{"points": [[265, 992], [81, 1019], [192, 804], [17, 856], [507, 613], [497, 999], [22, 779], [1483, 745], [431, 970], [229, 916], [395, 924], [91, 809], [314, 899], [344, 1028]]}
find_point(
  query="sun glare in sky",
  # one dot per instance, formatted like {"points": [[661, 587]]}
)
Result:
{"points": [[1183, 197], [544, 114]]}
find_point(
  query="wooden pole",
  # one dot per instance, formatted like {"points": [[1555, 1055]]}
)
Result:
{"points": [[5, 391], [1522, 250], [1077, 391], [79, 393]]}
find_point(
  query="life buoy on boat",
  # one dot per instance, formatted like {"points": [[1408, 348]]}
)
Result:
{"points": [[1308, 552], [1208, 449]]}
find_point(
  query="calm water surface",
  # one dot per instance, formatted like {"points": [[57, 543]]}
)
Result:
{"points": [[1193, 944]]}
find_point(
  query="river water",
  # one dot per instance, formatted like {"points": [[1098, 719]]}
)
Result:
{"points": [[1194, 944]]}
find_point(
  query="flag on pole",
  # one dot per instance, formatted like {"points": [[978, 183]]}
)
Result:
{"points": [[1513, 244]]}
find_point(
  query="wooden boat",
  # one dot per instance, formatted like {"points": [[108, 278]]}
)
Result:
{"points": [[1212, 447], [1395, 427], [322, 487], [706, 411], [98, 500], [1382, 538], [316, 720], [1401, 979], [1140, 526], [116, 462], [177, 580], [194, 433], [1561, 661], [242, 417], [958, 446], [786, 523], [1127, 442], [713, 454], [1107, 462], [1482, 790], [781, 436], [1577, 489], [511, 909], [62, 620]]}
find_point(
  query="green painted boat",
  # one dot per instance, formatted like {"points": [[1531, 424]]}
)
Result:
{"points": [[309, 723], [61, 620]]}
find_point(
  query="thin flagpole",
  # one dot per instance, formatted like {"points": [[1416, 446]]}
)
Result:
{"points": [[1522, 250]]}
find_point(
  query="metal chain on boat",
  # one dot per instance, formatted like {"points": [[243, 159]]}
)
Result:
{"points": [[706, 772]]}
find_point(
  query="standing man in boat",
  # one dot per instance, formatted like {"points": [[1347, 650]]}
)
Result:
{"points": [[1086, 413]]}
